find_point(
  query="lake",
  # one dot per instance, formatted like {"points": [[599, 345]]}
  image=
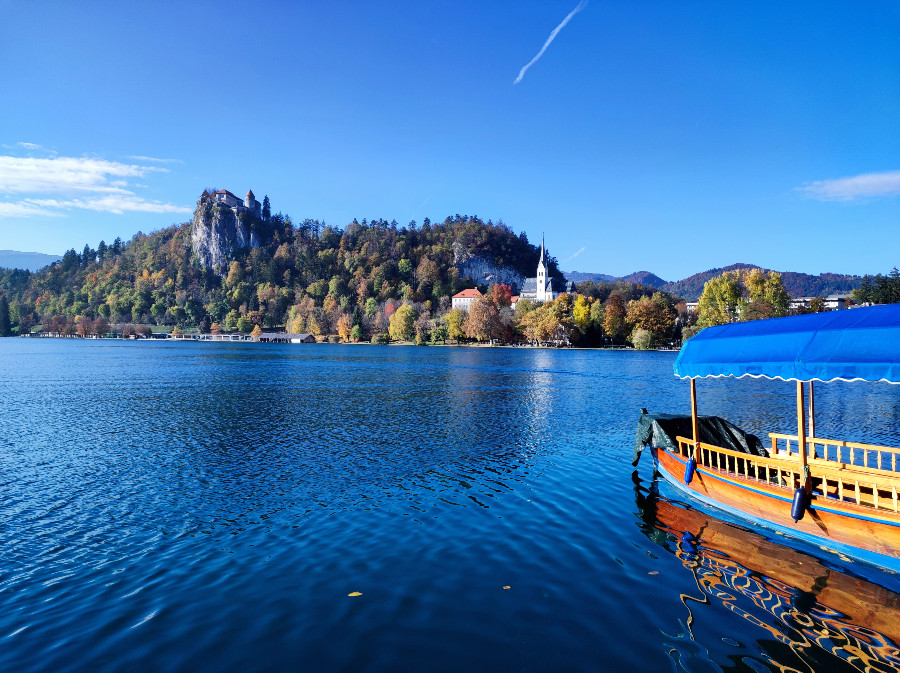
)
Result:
{"points": [[212, 506]]}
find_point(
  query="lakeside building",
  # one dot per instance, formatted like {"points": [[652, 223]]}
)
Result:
{"points": [[223, 196], [542, 287], [833, 302], [462, 300]]}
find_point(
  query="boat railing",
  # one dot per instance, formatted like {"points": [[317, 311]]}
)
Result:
{"points": [[830, 480], [848, 454]]}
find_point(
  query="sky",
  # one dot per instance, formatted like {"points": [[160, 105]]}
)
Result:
{"points": [[660, 136]]}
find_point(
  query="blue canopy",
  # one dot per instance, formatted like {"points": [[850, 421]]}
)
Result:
{"points": [[853, 344]]}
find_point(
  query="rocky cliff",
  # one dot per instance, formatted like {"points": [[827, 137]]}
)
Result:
{"points": [[482, 271], [217, 233]]}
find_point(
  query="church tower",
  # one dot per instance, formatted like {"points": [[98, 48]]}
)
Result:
{"points": [[542, 274]]}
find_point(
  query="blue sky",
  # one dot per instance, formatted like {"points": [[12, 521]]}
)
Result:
{"points": [[660, 136]]}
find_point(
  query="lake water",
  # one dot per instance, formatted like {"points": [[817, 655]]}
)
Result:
{"points": [[186, 506]]}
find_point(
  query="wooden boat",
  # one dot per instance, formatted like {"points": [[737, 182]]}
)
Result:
{"points": [[836, 493]]}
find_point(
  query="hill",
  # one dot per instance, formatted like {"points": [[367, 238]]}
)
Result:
{"points": [[797, 284], [30, 261], [230, 266], [581, 277], [644, 278]]}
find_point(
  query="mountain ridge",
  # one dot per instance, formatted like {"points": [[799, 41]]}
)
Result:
{"points": [[796, 283], [30, 261]]}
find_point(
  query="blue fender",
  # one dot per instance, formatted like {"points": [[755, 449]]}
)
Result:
{"points": [[689, 471]]}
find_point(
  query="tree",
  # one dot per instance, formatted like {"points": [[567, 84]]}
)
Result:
{"points": [[501, 294], [454, 321], [483, 321], [614, 317], [742, 295], [101, 327], [721, 301], [402, 323], [654, 315], [345, 326], [5, 326], [266, 208], [257, 332], [356, 334], [817, 305], [642, 339]]}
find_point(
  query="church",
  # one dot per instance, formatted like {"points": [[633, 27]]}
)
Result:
{"points": [[542, 287]]}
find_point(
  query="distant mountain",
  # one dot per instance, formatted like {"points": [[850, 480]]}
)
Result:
{"points": [[797, 284], [580, 277], [691, 288], [644, 278], [13, 259]]}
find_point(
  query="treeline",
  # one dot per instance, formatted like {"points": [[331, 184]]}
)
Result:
{"points": [[650, 320], [879, 289], [309, 277], [154, 279]]}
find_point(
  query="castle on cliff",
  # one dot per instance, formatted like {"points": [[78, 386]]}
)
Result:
{"points": [[223, 196]]}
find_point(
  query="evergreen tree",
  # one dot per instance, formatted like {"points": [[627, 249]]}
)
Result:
{"points": [[266, 208], [5, 328]]}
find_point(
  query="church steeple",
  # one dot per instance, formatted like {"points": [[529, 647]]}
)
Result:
{"points": [[542, 273]]}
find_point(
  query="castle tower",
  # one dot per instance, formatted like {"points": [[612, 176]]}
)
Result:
{"points": [[251, 203]]}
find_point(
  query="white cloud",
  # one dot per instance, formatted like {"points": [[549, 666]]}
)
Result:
{"points": [[156, 160], [581, 5], [575, 255], [73, 182], [24, 209], [112, 203], [855, 187], [34, 147], [30, 175]]}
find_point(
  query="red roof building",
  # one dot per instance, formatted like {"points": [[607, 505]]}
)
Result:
{"points": [[464, 299]]}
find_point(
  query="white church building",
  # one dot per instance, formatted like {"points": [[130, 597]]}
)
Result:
{"points": [[542, 287]]}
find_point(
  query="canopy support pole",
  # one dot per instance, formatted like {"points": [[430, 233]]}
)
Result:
{"points": [[694, 425], [812, 412], [801, 432]]}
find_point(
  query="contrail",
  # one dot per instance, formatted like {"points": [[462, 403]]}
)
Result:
{"points": [[575, 255], [581, 5]]}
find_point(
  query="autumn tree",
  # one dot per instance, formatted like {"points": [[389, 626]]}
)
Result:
{"points": [[614, 317], [721, 301], [501, 294], [256, 332], [402, 323], [742, 295], [345, 326], [454, 320], [483, 320], [654, 315]]}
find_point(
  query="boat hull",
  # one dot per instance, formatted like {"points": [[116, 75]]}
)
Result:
{"points": [[863, 534]]}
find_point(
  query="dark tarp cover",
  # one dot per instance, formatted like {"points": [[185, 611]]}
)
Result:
{"points": [[853, 344], [660, 430]]}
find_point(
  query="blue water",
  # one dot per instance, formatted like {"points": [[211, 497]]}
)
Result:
{"points": [[187, 506]]}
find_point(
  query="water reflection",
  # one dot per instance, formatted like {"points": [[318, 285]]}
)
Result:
{"points": [[806, 613]]}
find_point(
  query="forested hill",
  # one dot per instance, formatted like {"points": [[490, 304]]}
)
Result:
{"points": [[157, 278], [797, 284]]}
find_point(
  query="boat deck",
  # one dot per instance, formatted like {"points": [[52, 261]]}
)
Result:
{"points": [[869, 480]]}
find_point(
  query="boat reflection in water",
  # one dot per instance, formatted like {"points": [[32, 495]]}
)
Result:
{"points": [[822, 618]]}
